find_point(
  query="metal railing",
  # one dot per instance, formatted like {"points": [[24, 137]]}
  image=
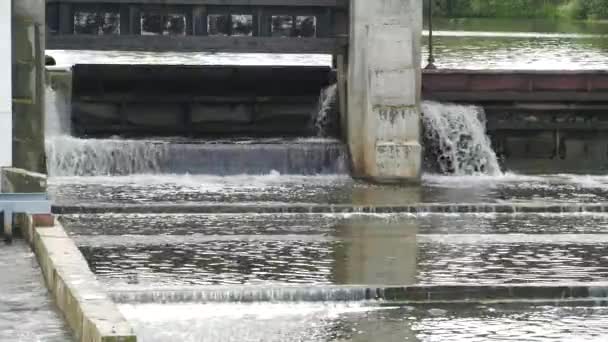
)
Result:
{"points": [[282, 26], [31, 204]]}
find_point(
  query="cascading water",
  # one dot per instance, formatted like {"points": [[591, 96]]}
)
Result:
{"points": [[325, 118], [71, 156], [247, 294], [456, 141], [57, 118]]}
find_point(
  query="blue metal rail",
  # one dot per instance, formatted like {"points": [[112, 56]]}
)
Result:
{"points": [[31, 204]]}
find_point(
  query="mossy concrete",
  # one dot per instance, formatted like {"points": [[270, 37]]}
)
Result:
{"points": [[28, 84]]}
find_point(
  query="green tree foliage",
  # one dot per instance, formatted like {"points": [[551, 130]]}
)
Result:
{"points": [[572, 9]]}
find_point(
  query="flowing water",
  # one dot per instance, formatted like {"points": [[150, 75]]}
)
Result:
{"points": [[259, 274], [325, 119], [26, 310], [359, 323], [456, 140]]}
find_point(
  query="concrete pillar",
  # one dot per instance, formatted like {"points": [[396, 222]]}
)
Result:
{"points": [[384, 87], [6, 94], [28, 84]]}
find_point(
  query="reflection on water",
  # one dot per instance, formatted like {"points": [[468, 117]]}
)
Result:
{"points": [[343, 249]]}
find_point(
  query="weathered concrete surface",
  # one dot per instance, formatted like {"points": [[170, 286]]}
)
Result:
{"points": [[384, 81], [28, 90], [88, 310], [21, 181], [6, 108]]}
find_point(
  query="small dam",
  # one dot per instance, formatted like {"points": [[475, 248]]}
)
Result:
{"points": [[264, 170]]}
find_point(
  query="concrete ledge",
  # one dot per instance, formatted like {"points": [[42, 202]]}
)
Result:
{"points": [[512, 293], [21, 181], [513, 208], [88, 310]]}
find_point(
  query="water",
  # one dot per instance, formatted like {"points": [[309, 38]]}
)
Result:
{"points": [[102, 228], [69, 156], [316, 250], [85, 157], [173, 262], [275, 188], [27, 313], [456, 140], [459, 44], [68, 58], [356, 322], [325, 119], [57, 119]]}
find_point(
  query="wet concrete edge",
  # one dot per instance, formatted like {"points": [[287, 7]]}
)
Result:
{"points": [[595, 293], [516, 208], [87, 308]]}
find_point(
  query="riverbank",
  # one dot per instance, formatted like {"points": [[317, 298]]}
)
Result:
{"points": [[529, 9], [552, 26]]}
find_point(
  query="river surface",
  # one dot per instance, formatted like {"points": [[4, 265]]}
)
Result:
{"points": [[464, 44], [151, 251]]}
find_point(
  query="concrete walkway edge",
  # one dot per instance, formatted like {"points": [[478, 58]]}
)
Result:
{"points": [[87, 308]]}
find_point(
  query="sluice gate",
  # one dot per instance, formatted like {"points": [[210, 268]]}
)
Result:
{"points": [[198, 101]]}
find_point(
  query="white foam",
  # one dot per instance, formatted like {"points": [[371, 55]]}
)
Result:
{"points": [[458, 139]]}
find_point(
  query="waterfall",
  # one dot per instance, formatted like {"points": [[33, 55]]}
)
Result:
{"points": [[247, 294], [57, 113], [69, 156], [456, 141], [325, 117]]}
